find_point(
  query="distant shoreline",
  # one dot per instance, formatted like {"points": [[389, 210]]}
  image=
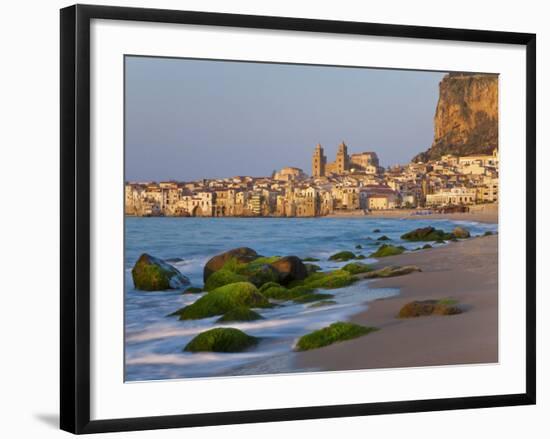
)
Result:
{"points": [[481, 217], [466, 271]]}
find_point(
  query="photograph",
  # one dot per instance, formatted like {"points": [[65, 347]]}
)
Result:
{"points": [[297, 218]]}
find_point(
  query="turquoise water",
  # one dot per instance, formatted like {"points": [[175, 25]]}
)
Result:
{"points": [[154, 342]]}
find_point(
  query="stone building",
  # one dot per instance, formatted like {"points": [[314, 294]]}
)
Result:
{"points": [[364, 162], [319, 162], [454, 196]]}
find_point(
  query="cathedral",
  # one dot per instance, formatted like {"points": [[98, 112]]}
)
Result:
{"points": [[366, 162]]}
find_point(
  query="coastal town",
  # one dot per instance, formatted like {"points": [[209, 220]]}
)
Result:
{"points": [[352, 183]]}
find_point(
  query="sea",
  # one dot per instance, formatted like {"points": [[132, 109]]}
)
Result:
{"points": [[154, 342]]}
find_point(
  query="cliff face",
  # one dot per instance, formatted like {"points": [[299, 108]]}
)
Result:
{"points": [[466, 117]]}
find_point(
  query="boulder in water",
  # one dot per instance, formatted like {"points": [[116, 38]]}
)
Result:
{"points": [[154, 274], [221, 340], [461, 232], [290, 268], [241, 255], [427, 234]]}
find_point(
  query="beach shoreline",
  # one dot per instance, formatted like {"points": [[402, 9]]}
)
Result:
{"points": [[466, 271], [481, 216]]}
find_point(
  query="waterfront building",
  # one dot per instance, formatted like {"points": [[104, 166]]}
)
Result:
{"points": [[454, 196]]}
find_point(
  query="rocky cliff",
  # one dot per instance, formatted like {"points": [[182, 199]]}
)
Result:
{"points": [[466, 117]]}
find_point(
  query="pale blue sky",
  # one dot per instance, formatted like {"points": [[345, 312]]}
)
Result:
{"points": [[191, 119]]}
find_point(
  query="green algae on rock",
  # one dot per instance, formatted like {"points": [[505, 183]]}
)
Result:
{"points": [[221, 340], [154, 274], [387, 250], [224, 299], [337, 332]]}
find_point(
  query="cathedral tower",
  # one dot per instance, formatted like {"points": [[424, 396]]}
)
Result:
{"points": [[342, 159], [319, 162]]}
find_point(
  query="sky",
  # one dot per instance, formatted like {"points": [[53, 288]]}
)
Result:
{"points": [[192, 119]]}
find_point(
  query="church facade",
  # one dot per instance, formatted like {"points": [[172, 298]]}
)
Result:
{"points": [[364, 162]]}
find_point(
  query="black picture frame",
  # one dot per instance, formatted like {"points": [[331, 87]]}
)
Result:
{"points": [[75, 217]]}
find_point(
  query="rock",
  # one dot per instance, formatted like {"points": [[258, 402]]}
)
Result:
{"points": [[392, 271], [356, 268], [264, 274], [240, 314], [193, 290], [310, 259], [461, 232], [224, 299], [420, 308], [290, 268], [312, 268], [360, 257], [426, 246], [342, 256], [329, 280], [337, 332], [268, 285], [223, 277], [313, 297], [376, 231], [387, 250], [426, 234], [383, 238], [154, 274], [241, 255], [280, 293], [358, 246], [488, 233], [300, 290], [221, 340]]}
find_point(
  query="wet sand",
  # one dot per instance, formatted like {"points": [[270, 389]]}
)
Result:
{"points": [[466, 271]]}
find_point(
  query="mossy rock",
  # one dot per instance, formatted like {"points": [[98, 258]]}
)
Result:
{"points": [[290, 268], [488, 233], [426, 246], [154, 274], [342, 256], [356, 268], [278, 293], [427, 234], [223, 277], [300, 290], [240, 314], [221, 340], [392, 271], [330, 280], [337, 332], [387, 250], [461, 232], [268, 285], [313, 297], [312, 268], [360, 257], [241, 255], [310, 259], [193, 290], [263, 274], [419, 308], [383, 238], [224, 299], [322, 304]]}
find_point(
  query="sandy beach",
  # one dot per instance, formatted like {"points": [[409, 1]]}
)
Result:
{"points": [[466, 271]]}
